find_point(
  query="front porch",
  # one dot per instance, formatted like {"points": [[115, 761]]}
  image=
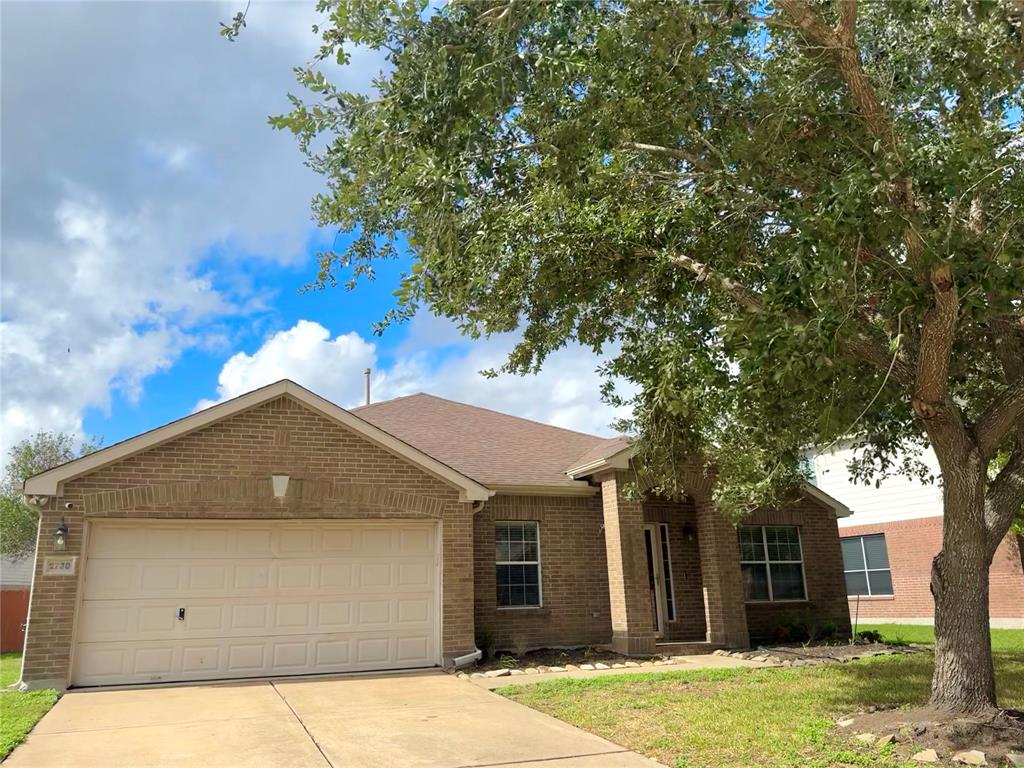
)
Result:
{"points": [[674, 578]]}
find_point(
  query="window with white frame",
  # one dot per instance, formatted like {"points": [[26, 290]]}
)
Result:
{"points": [[517, 560], [866, 565], [772, 563]]}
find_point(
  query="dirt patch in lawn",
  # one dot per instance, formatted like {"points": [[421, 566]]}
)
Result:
{"points": [[913, 730], [835, 652]]}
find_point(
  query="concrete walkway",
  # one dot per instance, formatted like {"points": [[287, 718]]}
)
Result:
{"points": [[679, 664], [420, 720]]}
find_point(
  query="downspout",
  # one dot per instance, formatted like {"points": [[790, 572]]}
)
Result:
{"points": [[476, 654], [470, 658]]}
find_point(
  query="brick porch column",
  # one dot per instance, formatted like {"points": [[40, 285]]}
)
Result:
{"points": [[628, 588], [725, 613]]}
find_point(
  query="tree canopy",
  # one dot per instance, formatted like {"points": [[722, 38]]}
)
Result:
{"points": [[790, 223], [42, 451], [742, 206]]}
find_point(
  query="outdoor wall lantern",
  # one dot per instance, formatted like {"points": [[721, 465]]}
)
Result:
{"points": [[60, 536], [280, 483]]}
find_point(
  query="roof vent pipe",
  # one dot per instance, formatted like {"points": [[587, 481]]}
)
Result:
{"points": [[366, 375]]}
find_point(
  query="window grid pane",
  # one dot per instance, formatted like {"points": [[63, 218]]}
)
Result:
{"points": [[517, 568], [772, 563], [755, 581], [866, 566], [876, 556], [751, 544]]}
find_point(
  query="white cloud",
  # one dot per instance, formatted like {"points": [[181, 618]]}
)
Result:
{"points": [[306, 354], [566, 392], [99, 309], [116, 190]]}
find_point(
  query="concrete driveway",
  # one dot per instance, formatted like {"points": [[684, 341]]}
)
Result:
{"points": [[414, 720]]}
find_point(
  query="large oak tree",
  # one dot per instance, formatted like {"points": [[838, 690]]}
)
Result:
{"points": [[791, 223]]}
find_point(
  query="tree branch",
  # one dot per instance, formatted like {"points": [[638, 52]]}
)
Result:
{"points": [[1005, 497], [858, 345], [931, 389], [1003, 414], [847, 29], [742, 295], [841, 46], [680, 154]]}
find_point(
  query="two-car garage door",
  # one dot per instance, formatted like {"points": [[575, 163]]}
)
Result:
{"points": [[167, 601]]}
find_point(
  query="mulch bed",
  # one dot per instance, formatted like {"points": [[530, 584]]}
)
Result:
{"points": [[552, 657]]}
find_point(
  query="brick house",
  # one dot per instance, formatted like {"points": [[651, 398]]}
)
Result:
{"points": [[278, 534], [888, 549]]}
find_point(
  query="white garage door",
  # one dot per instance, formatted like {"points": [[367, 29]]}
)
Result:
{"points": [[167, 601]]}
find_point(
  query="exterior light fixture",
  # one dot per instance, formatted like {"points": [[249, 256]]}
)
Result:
{"points": [[60, 536], [280, 483]]}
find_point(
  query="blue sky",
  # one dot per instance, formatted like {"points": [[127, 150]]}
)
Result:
{"points": [[156, 232]]}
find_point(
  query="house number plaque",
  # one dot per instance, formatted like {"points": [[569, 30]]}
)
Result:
{"points": [[59, 566]]}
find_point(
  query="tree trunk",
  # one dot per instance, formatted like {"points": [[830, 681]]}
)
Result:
{"points": [[964, 680]]}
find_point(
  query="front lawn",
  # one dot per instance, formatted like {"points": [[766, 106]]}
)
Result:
{"points": [[733, 718], [1003, 640], [19, 712]]}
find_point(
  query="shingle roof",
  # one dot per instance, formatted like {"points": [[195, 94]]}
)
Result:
{"points": [[492, 448]]}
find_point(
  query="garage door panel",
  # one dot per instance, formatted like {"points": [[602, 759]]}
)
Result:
{"points": [[201, 659], [297, 542], [335, 575], [111, 620], [117, 578], [338, 541], [279, 599], [154, 662]]}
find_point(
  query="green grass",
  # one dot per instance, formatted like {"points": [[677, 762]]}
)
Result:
{"points": [[19, 712], [10, 668], [1003, 640], [733, 718]]}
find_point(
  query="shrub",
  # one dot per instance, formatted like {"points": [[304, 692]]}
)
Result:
{"points": [[485, 642], [827, 630], [869, 636]]}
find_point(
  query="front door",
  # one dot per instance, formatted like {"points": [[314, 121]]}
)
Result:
{"points": [[659, 576], [655, 581]]}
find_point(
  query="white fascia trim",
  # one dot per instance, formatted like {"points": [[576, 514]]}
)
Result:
{"points": [[619, 460], [580, 488], [840, 509], [49, 483]]}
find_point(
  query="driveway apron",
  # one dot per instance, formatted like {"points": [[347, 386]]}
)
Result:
{"points": [[419, 720]]}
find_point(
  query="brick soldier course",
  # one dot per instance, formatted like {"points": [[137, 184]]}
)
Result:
{"points": [[424, 458]]}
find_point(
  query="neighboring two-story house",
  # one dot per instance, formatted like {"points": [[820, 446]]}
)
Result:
{"points": [[889, 544]]}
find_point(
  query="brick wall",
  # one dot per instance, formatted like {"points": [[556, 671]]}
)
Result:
{"points": [[223, 471], [912, 544], [574, 574], [823, 572]]}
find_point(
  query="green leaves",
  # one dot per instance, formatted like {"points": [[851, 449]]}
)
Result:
{"points": [[44, 450], [549, 162]]}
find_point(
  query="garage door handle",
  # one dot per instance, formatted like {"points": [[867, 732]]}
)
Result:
{"points": [[181, 614]]}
